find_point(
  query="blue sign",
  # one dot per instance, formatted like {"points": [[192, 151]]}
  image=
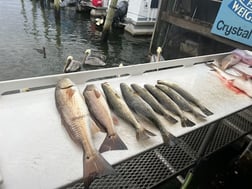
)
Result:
{"points": [[234, 21]]}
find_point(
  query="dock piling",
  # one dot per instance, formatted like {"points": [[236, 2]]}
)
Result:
{"points": [[109, 20]]}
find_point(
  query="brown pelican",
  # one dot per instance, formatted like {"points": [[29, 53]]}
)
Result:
{"points": [[72, 65], [94, 58], [157, 57]]}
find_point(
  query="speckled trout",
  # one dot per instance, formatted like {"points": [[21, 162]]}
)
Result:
{"points": [[118, 105], [100, 112], [147, 97], [140, 107], [187, 96], [168, 103], [180, 101], [75, 117]]}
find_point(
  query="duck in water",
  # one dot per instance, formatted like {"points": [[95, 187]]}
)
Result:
{"points": [[72, 65], [94, 58]]}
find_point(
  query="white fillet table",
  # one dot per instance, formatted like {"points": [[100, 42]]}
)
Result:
{"points": [[36, 151]]}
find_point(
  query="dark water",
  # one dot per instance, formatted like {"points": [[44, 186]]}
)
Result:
{"points": [[29, 25]]}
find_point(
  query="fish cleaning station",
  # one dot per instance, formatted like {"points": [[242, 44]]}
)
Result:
{"points": [[42, 142], [136, 126]]}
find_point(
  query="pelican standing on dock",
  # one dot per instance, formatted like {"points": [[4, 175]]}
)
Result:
{"points": [[72, 65], [94, 58]]}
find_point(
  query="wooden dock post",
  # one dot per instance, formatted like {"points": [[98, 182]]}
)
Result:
{"points": [[109, 20], [57, 4]]}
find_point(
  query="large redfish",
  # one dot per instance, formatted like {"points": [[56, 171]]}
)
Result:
{"points": [[75, 117]]}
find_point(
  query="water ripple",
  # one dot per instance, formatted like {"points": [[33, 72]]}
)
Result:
{"points": [[27, 26]]}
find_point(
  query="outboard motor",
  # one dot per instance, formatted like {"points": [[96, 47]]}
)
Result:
{"points": [[120, 13]]}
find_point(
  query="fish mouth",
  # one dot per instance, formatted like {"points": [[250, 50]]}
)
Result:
{"points": [[105, 84], [66, 87], [65, 83], [90, 87]]}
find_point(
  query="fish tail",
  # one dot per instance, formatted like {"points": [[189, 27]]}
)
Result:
{"points": [[169, 139], [206, 111], [199, 115], [95, 167], [143, 134], [186, 122], [170, 119], [112, 142]]}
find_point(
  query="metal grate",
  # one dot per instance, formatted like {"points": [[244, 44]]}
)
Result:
{"points": [[135, 173], [223, 136], [177, 158], [194, 139], [152, 167]]}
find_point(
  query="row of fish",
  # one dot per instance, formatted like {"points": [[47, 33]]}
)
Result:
{"points": [[81, 113], [148, 101]]}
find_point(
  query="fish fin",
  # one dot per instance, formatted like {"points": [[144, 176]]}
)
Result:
{"points": [[113, 142], [199, 115], [170, 119], [70, 133], [149, 132], [94, 128], [117, 96], [97, 93], [186, 122], [206, 111], [115, 120], [144, 134], [95, 167]]}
